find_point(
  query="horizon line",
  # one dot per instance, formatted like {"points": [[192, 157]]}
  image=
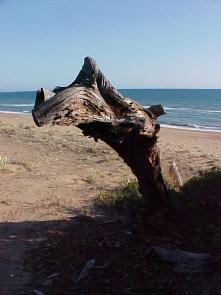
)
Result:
{"points": [[119, 88]]}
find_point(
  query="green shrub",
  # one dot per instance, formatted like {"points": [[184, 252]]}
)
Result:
{"points": [[202, 195], [198, 205], [123, 199], [200, 201]]}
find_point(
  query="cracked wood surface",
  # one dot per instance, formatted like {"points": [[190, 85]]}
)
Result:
{"points": [[92, 104]]}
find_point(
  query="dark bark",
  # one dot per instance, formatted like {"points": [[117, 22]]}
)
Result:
{"points": [[100, 111]]}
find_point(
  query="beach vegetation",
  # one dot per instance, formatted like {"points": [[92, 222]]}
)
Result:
{"points": [[198, 202], [125, 198], [4, 163], [91, 178]]}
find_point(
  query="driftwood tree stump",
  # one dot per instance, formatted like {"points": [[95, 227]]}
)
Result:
{"points": [[92, 104]]}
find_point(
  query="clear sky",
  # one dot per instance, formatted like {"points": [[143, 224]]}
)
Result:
{"points": [[137, 43]]}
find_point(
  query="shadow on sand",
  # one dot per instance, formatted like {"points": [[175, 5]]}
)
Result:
{"points": [[17, 240]]}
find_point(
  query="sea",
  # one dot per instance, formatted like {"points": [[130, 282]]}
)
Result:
{"points": [[196, 109]]}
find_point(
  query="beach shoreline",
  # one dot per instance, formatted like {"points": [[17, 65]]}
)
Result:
{"points": [[163, 125]]}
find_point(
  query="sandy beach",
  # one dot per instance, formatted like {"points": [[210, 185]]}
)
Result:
{"points": [[55, 172]]}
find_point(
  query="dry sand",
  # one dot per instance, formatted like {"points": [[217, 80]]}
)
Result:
{"points": [[55, 172]]}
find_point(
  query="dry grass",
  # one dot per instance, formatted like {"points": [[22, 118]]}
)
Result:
{"points": [[91, 178], [4, 163]]}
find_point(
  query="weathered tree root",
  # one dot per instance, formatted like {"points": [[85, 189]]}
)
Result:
{"points": [[92, 104]]}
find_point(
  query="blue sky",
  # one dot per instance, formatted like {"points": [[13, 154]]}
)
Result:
{"points": [[138, 44]]}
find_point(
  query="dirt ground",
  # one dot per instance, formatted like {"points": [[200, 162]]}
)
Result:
{"points": [[55, 173]]}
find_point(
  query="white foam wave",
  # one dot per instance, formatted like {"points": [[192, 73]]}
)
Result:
{"points": [[189, 109], [211, 111], [18, 113], [16, 105], [192, 109], [192, 128]]}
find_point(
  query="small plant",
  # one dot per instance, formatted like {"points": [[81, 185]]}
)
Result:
{"points": [[123, 199], [199, 200], [4, 163], [202, 195], [91, 178]]}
